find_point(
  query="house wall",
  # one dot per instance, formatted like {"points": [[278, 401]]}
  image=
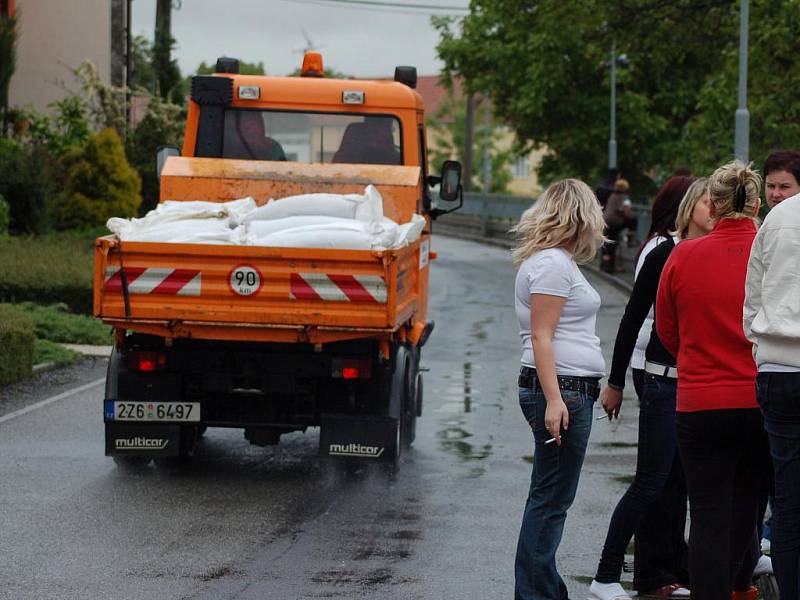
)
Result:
{"points": [[54, 36]]}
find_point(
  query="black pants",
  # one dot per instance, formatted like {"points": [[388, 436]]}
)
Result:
{"points": [[660, 553], [725, 456]]}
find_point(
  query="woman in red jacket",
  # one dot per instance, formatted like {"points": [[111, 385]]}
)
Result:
{"points": [[721, 438]]}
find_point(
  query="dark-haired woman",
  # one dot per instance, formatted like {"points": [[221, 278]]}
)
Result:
{"points": [[721, 438], [658, 566]]}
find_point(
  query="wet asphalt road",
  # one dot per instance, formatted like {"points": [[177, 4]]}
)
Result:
{"points": [[277, 523]]}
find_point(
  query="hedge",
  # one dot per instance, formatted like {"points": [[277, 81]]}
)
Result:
{"points": [[16, 345], [48, 269]]}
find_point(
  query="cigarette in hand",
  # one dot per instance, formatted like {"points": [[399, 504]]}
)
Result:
{"points": [[550, 441], [601, 417]]}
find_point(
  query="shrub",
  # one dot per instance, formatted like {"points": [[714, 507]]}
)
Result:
{"points": [[100, 184], [48, 269], [5, 216], [56, 324], [28, 179], [16, 344], [162, 125]]}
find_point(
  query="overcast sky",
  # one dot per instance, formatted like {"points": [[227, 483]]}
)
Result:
{"points": [[365, 42]]}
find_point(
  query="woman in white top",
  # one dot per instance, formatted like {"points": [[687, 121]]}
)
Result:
{"points": [[561, 368]]}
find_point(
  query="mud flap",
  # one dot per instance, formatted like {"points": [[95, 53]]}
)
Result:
{"points": [[359, 438], [142, 440]]}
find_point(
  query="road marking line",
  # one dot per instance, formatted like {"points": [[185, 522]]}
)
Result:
{"points": [[42, 403]]}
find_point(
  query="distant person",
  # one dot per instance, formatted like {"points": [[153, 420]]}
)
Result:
{"points": [[772, 323], [656, 499], [781, 176], [561, 368], [616, 213], [249, 140], [606, 187], [721, 438]]}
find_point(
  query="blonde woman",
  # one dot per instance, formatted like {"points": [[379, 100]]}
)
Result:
{"points": [[561, 368], [721, 438]]}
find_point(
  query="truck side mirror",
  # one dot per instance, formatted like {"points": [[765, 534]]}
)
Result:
{"points": [[451, 180], [449, 187], [161, 157]]}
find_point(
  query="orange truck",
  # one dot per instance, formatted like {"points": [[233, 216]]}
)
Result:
{"points": [[270, 339]]}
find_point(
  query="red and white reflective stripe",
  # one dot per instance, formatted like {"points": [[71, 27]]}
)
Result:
{"points": [[170, 282], [341, 288]]}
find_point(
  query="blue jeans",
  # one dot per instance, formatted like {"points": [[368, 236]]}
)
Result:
{"points": [[779, 397], [556, 470], [656, 456]]}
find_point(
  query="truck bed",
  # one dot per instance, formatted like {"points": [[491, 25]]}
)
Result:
{"points": [[256, 293]]}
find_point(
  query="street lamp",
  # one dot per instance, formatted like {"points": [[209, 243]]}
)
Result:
{"points": [[623, 61], [742, 140]]}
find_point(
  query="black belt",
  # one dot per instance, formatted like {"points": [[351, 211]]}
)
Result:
{"points": [[589, 385]]}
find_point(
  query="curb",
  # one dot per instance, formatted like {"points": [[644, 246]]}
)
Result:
{"points": [[88, 350]]}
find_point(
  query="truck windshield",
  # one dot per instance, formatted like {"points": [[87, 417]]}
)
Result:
{"points": [[312, 137]]}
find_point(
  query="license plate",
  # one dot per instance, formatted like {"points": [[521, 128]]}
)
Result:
{"points": [[157, 411]]}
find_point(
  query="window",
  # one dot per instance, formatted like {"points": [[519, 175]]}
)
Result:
{"points": [[312, 137], [522, 168]]}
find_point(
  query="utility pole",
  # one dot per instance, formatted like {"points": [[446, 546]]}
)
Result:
{"points": [[466, 180], [162, 46], [128, 61], [612, 140], [487, 161], [742, 139]]}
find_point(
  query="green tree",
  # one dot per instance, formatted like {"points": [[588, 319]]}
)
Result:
{"points": [[450, 120], [167, 72], [144, 75], [245, 68], [546, 65], [100, 184], [162, 125]]}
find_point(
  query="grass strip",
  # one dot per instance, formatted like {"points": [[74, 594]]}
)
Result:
{"points": [[45, 351]]}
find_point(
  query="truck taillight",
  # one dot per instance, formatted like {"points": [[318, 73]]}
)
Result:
{"points": [[147, 361], [350, 369]]}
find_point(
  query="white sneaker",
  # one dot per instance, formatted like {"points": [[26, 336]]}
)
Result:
{"points": [[763, 566], [765, 546], [681, 592], [607, 591]]}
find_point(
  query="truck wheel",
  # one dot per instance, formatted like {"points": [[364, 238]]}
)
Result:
{"points": [[408, 429], [419, 394], [132, 464]]}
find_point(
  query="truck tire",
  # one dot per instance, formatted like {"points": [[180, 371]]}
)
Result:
{"points": [[408, 426], [419, 395]]}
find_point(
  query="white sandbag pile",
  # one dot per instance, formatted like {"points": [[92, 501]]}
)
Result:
{"points": [[343, 221]]}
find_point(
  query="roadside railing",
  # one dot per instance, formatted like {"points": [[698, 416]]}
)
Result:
{"points": [[490, 216]]}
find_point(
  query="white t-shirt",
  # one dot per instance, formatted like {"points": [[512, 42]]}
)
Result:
{"points": [[576, 347], [637, 360]]}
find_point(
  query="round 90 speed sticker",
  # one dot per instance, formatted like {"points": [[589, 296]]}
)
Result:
{"points": [[245, 280]]}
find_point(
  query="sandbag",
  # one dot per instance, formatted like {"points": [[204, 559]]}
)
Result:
{"points": [[259, 229], [342, 239], [187, 231], [364, 207]]}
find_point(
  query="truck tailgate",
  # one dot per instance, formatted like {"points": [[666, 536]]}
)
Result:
{"points": [[256, 293]]}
